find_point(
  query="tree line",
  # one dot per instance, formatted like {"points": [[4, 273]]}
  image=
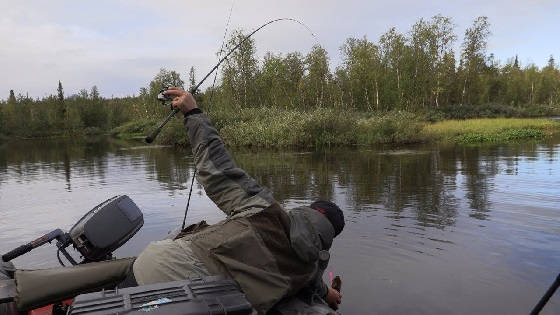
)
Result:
{"points": [[415, 71], [85, 112], [411, 71]]}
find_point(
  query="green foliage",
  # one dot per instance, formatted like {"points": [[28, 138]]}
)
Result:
{"points": [[135, 128], [362, 61], [60, 92], [487, 111], [86, 113], [391, 127], [504, 136], [173, 133], [239, 72], [414, 71], [12, 97], [273, 127], [489, 130]]}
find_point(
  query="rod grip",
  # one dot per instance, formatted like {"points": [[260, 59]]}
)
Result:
{"points": [[17, 252], [152, 136]]}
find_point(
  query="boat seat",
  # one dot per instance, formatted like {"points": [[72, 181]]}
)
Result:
{"points": [[35, 288]]}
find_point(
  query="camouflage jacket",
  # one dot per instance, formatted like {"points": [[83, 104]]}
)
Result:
{"points": [[271, 253]]}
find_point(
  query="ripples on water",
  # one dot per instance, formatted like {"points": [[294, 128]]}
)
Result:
{"points": [[430, 229]]}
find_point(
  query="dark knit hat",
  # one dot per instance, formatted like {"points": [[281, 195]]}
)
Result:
{"points": [[332, 212]]}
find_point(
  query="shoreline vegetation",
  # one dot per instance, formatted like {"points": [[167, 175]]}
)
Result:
{"points": [[268, 128], [405, 87], [276, 128]]}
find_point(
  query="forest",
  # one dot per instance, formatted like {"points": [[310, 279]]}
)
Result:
{"points": [[422, 75]]}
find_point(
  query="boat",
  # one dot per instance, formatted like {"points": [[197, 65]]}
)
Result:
{"points": [[103, 285]]}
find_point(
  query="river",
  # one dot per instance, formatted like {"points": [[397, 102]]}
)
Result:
{"points": [[431, 229]]}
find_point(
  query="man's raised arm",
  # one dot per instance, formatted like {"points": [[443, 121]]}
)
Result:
{"points": [[229, 186]]}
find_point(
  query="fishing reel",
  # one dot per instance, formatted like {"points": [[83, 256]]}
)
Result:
{"points": [[165, 99]]}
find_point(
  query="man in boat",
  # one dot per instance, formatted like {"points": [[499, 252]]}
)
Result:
{"points": [[271, 253]]}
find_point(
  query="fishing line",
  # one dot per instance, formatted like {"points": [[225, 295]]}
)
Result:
{"points": [[219, 55], [208, 109]]}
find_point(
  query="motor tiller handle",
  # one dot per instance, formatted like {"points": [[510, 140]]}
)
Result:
{"points": [[23, 249]]}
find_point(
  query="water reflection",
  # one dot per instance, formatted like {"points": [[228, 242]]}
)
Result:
{"points": [[424, 179], [422, 220]]}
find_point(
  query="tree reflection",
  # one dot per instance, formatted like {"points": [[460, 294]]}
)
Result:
{"points": [[425, 181]]}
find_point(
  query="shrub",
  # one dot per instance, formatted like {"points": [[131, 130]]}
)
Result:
{"points": [[390, 127], [135, 128]]}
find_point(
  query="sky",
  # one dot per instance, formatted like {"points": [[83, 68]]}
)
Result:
{"points": [[120, 45]]}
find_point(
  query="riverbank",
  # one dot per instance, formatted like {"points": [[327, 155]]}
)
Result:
{"points": [[491, 129], [269, 127]]}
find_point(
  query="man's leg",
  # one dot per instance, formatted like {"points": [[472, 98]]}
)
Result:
{"points": [[168, 260]]}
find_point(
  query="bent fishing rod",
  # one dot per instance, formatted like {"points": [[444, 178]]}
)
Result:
{"points": [[154, 134]]}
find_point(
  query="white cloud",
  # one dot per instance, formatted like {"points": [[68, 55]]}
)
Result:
{"points": [[120, 45]]}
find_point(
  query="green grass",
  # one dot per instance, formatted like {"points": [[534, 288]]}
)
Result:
{"points": [[268, 127], [136, 129], [491, 129], [273, 127], [173, 133]]}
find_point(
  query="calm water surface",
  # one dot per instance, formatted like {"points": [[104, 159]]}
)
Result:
{"points": [[430, 229]]}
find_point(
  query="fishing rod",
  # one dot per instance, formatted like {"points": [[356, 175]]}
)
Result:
{"points": [[549, 293], [154, 134]]}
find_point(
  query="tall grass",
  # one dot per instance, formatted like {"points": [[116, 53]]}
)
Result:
{"points": [[268, 127], [273, 127], [490, 129]]}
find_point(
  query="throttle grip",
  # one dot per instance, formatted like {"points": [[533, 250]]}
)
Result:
{"points": [[17, 252]]}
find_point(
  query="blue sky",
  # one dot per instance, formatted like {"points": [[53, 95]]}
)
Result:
{"points": [[120, 45]]}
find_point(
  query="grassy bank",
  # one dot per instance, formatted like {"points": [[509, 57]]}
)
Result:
{"points": [[491, 129], [271, 127]]}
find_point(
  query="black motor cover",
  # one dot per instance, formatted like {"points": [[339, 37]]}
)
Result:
{"points": [[106, 227]]}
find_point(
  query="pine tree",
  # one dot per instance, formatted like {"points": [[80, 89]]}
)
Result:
{"points": [[192, 80], [60, 92], [516, 63], [551, 63], [12, 97]]}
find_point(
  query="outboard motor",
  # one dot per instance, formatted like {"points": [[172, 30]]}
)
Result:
{"points": [[96, 235], [106, 228]]}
